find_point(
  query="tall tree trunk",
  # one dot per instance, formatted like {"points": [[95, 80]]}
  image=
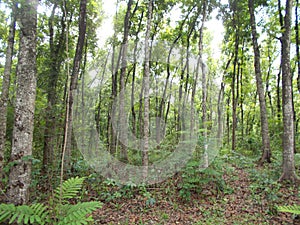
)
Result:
{"points": [[297, 43], [280, 69], [278, 94], [204, 87], [268, 90], [287, 101], [234, 99], [133, 112], [74, 80], [220, 112], [228, 119], [145, 160], [5, 86], [266, 156], [221, 103], [122, 113], [20, 172], [56, 51]]}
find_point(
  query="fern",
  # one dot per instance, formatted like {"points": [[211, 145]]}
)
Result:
{"points": [[295, 209], [62, 212], [70, 189], [33, 214], [77, 214]]}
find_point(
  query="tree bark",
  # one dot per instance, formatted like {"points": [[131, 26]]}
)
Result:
{"points": [[20, 172], [221, 105], [145, 160], [5, 86], [287, 102], [266, 156], [56, 51], [74, 79], [233, 90], [280, 69], [122, 113], [297, 43], [133, 112]]}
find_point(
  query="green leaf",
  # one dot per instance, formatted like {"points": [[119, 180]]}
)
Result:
{"points": [[70, 188], [13, 218], [4, 216], [295, 209]]}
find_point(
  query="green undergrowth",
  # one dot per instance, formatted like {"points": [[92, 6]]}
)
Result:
{"points": [[58, 210]]}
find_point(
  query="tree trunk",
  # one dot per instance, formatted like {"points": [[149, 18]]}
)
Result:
{"points": [[20, 172], [122, 113], [268, 90], [5, 86], [145, 160], [74, 80], [233, 90], [133, 112], [297, 43], [287, 103], [266, 156], [204, 88], [280, 69], [56, 51]]}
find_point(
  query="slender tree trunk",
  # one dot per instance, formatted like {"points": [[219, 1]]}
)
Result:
{"points": [[228, 119], [278, 88], [122, 113], [204, 88], [278, 94], [145, 160], [287, 101], [20, 172], [5, 86], [134, 128], [112, 137], [268, 91], [234, 99], [220, 112], [297, 43], [74, 80], [56, 51], [266, 156]]}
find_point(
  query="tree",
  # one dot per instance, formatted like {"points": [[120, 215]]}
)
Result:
{"points": [[5, 85], [20, 172], [122, 115], [74, 80], [204, 87], [297, 43], [287, 101], [146, 92], [56, 46], [266, 156]]}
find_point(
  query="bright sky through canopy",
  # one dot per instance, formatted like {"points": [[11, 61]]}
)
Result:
{"points": [[214, 26]]}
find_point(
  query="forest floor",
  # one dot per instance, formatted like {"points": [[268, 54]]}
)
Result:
{"points": [[232, 191], [249, 196]]}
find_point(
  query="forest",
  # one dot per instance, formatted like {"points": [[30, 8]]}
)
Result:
{"points": [[132, 112]]}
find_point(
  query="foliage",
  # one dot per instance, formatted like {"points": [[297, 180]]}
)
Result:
{"points": [[195, 178], [32, 214], [58, 210], [295, 209]]}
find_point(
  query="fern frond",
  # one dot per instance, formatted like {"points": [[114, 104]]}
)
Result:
{"points": [[6, 211], [70, 188], [23, 214], [77, 214], [295, 209]]}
